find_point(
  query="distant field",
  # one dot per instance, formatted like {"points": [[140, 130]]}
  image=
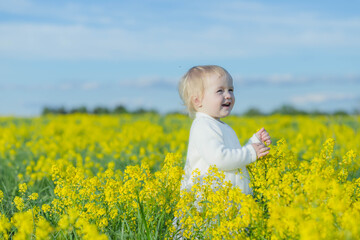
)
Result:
{"points": [[118, 177]]}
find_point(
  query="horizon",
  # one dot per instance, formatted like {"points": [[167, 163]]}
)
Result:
{"points": [[104, 110]]}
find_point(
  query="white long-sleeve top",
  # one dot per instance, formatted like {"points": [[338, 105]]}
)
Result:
{"points": [[212, 142]]}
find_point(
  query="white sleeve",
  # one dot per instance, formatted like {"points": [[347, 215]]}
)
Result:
{"points": [[209, 141], [253, 139]]}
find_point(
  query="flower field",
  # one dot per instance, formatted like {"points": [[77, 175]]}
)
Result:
{"points": [[118, 177]]}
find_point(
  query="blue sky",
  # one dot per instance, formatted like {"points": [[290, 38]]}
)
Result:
{"points": [[106, 53]]}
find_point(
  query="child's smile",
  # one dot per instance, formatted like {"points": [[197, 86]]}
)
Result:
{"points": [[226, 104]]}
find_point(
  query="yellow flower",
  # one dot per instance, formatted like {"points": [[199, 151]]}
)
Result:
{"points": [[43, 229], [308, 187], [24, 222], [103, 222], [22, 188], [20, 177], [34, 196], [45, 208], [19, 203], [4, 225], [64, 222]]}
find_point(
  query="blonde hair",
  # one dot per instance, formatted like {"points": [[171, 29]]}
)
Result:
{"points": [[192, 83]]}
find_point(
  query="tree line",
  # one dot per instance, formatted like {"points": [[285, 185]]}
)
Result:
{"points": [[120, 109], [291, 110]]}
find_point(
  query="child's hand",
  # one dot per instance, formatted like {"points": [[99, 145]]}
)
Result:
{"points": [[260, 149], [263, 136]]}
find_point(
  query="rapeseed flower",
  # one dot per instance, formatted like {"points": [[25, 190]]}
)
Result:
{"points": [[111, 177], [22, 188], [4, 226], [34, 196], [19, 203]]}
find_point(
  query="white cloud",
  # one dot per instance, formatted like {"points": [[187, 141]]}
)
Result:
{"points": [[90, 86], [286, 79], [269, 79], [322, 98], [66, 86], [157, 82], [226, 30], [16, 6], [62, 86], [53, 41], [150, 82], [277, 26], [60, 11]]}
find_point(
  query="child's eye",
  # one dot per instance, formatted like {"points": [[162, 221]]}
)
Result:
{"points": [[231, 90], [219, 91]]}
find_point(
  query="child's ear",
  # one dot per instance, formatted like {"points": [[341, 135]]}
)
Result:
{"points": [[196, 102]]}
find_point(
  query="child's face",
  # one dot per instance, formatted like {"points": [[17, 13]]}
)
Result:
{"points": [[218, 99]]}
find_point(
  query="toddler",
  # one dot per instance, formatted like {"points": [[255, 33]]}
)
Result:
{"points": [[208, 94]]}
